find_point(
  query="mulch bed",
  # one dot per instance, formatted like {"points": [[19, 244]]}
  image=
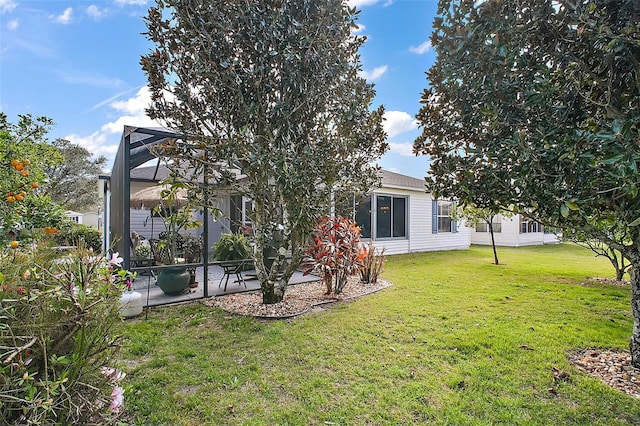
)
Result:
{"points": [[298, 299]]}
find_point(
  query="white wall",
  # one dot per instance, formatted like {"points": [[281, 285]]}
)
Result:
{"points": [[421, 238], [511, 236]]}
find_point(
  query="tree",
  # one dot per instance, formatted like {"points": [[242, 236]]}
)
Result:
{"points": [[69, 182], [269, 88], [25, 152], [536, 104], [600, 248], [474, 214]]}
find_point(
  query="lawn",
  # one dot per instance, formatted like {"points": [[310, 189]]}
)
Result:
{"points": [[455, 341]]}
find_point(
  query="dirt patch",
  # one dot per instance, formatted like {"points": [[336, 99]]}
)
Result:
{"points": [[612, 366], [298, 299]]}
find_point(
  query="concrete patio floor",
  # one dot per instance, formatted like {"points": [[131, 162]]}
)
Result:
{"points": [[152, 295]]}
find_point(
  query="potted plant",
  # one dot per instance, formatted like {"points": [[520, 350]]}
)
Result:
{"points": [[176, 218], [192, 246], [231, 246]]}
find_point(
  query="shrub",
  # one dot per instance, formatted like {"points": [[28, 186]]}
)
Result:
{"points": [[79, 235], [335, 252], [193, 246], [56, 341], [372, 264], [232, 246]]}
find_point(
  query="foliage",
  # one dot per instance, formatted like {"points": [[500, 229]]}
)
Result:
{"points": [[231, 246], [176, 219], [79, 235], [57, 338], [600, 248], [69, 182], [372, 264], [536, 105], [24, 153], [474, 214], [454, 341], [273, 92], [192, 246], [335, 252], [143, 251]]}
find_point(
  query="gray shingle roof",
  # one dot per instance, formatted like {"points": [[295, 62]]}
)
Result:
{"points": [[396, 180], [389, 179]]}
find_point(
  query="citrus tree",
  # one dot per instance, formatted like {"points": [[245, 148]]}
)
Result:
{"points": [[24, 154]]}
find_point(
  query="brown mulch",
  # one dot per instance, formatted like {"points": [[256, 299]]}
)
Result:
{"points": [[608, 281], [298, 299], [612, 366]]}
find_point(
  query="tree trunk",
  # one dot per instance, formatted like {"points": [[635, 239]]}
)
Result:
{"points": [[493, 243], [272, 293], [634, 345]]}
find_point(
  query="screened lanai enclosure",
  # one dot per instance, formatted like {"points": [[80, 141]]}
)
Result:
{"points": [[138, 169]]}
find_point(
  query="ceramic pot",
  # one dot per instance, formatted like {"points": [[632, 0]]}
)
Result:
{"points": [[173, 280]]}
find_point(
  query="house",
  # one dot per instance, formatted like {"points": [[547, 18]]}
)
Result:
{"points": [[513, 231], [90, 219], [399, 216]]}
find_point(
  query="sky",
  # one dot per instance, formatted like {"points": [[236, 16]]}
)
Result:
{"points": [[78, 62]]}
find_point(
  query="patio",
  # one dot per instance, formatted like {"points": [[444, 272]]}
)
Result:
{"points": [[152, 295]]}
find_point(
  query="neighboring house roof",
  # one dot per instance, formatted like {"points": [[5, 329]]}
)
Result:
{"points": [[396, 180], [150, 173]]}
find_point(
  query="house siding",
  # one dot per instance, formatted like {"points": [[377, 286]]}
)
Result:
{"points": [[511, 236], [421, 238]]}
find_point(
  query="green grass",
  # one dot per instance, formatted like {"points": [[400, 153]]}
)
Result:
{"points": [[455, 341]]}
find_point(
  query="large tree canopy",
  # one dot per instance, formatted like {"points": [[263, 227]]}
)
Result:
{"points": [[270, 88], [70, 182], [536, 104]]}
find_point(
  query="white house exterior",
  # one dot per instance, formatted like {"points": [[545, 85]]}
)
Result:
{"points": [[399, 216], [405, 219], [515, 231]]}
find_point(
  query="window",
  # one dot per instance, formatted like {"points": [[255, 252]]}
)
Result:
{"points": [[442, 220], [528, 226], [389, 214], [496, 223]]}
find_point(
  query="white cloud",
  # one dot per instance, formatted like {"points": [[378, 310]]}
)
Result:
{"points": [[397, 122], [404, 149], [360, 3], [7, 5], [95, 12], [13, 24], [65, 18], [421, 49], [95, 143], [131, 113], [374, 74], [134, 2], [73, 76]]}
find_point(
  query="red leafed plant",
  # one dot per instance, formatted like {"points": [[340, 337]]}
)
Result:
{"points": [[335, 252]]}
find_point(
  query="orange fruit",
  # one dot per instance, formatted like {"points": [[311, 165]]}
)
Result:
{"points": [[19, 167], [19, 197], [34, 185], [50, 230], [14, 244], [26, 162], [14, 162], [24, 173], [11, 199]]}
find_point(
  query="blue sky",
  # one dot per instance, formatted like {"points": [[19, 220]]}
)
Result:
{"points": [[77, 62]]}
